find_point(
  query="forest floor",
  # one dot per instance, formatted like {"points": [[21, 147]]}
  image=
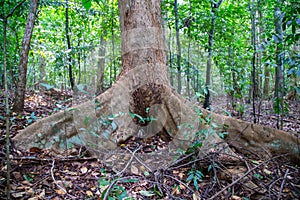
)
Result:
{"points": [[44, 174]]}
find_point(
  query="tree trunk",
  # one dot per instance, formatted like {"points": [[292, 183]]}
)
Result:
{"points": [[101, 65], [214, 8], [71, 78], [21, 85], [178, 47], [142, 104], [42, 76], [279, 70], [254, 56], [79, 62]]}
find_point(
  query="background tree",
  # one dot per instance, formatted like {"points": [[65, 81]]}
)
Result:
{"points": [[21, 86], [214, 8]]}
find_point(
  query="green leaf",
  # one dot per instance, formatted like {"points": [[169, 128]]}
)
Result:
{"points": [[146, 193], [87, 4]]}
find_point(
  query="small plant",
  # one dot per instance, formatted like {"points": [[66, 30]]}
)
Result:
{"points": [[28, 177], [195, 176], [114, 191], [143, 120], [258, 176], [31, 118]]}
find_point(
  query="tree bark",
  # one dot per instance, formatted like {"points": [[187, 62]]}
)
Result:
{"points": [[21, 85]]}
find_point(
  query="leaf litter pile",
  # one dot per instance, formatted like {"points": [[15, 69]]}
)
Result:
{"points": [[75, 174]]}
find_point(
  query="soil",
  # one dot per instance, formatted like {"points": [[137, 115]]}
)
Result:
{"points": [[75, 174]]}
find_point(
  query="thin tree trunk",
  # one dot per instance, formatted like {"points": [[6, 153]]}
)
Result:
{"points": [[79, 62], [279, 70], [71, 78], [254, 81], [7, 112], [214, 8], [21, 85], [101, 65], [42, 75], [113, 50], [189, 49], [178, 47], [84, 67]]}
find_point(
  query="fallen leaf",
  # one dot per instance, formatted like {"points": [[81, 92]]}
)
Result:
{"points": [[134, 170], [234, 197], [83, 170], [266, 171], [89, 193], [196, 197], [60, 192], [18, 194]]}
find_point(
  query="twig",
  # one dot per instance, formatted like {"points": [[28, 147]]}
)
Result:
{"points": [[68, 159], [113, 183], [282, 184], [240, 178], [128, 163], [169, 167], [141, 162], [54, 180], [182, 183]]}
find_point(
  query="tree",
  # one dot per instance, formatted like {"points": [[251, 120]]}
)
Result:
{"points": [[71, 78], [5, 17], [101, 65], [279, 70], [21, 84], [214, 8], [143, 104], [178, 46]]}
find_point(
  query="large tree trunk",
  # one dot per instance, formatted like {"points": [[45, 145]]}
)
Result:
{"points": [[21, 85], [142, 93]]}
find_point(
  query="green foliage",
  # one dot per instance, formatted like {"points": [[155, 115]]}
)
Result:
{"points": [[143, 120], [195, 176], [116, 191], [32, 118], [258, 176]]}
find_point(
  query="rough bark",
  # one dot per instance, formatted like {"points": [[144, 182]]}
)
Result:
{"points": [[21, 85], [143, 90]]}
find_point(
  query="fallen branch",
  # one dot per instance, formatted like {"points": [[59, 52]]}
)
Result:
{"points": [[241, 177], [54, 180]]}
